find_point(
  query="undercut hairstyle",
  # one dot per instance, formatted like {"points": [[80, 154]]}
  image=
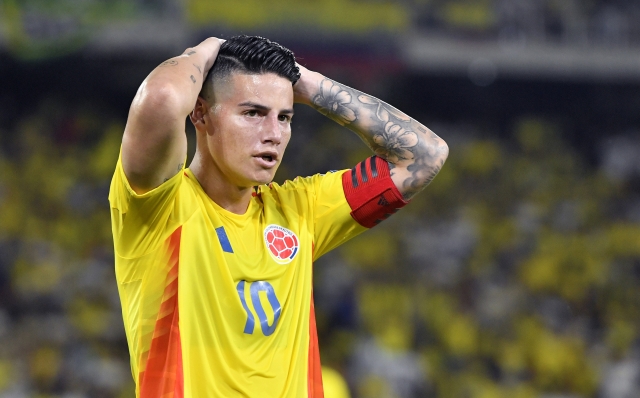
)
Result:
{"points": [[251, 55]]}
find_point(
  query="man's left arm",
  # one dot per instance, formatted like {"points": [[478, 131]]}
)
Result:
{"points": [[415, 154]]}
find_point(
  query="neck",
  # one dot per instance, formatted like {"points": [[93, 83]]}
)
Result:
{"points": [[228, 196]]}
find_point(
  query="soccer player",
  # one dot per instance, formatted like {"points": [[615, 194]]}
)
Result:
{"points": [[214, 262]]}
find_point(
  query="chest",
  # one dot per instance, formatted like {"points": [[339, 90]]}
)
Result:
{"points": [[260, 247]]}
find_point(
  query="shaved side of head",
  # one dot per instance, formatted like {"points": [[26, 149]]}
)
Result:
{"points": [[248, 55]]}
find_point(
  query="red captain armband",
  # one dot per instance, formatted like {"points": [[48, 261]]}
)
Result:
{"points": [[370, 192]]}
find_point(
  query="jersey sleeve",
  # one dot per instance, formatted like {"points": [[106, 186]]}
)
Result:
{"points": [[139, 221], [352, 201], [333, 224]]}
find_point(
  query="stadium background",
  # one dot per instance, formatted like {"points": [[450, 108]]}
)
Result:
{"points": [[515, 274]]}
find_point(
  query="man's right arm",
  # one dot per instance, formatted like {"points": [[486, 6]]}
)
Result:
{"points": [[154, 145]]}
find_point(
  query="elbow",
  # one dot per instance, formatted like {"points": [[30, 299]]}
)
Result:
{"points": [[442, 151], [156, 98], [431, 164], [437, 152]]}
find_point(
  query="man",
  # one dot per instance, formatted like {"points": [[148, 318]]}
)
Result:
{"points": [[214, 266]]}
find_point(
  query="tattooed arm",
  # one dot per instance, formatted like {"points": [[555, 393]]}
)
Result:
{"points": [[154, 143], [414, 153]]}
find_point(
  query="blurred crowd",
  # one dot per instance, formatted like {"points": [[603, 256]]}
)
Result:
{"points": [[604, 23], [38, 29], [514, 275], [61, 332]]}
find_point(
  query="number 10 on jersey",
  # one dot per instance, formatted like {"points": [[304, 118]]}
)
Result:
{"points": [[254, 290]]}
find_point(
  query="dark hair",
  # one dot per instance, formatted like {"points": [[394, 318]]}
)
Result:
{"points": [[253, 55]]}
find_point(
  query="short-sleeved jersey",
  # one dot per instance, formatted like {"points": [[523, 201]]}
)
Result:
{"points": [[217, 304]]}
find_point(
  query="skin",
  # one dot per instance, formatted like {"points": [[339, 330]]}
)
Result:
{"points": [[415, 154], [247, 119], [242, 136], [154, 145]]}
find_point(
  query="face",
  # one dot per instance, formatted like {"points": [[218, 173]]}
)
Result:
{"points": [[248, 127]]}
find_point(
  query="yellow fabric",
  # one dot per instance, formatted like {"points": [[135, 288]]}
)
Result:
{"points": [[219, 358]]}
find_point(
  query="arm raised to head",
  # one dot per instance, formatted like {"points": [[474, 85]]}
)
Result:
{"points": [[415, 154], [154, 145]]}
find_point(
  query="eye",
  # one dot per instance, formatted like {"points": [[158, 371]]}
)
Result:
{"points": [[251, 113], [284, 118]]}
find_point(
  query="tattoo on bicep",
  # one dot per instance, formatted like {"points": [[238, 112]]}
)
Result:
{"points": [[193, 79], [335, 102], [394, 142], [402, 141], [392, 132], [422, 173], [171, 62], [180, 166]]}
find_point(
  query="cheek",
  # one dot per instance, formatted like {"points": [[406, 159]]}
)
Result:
{"points": [[225, 135], [286, 136]]}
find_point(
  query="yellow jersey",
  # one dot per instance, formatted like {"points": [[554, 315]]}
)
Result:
{"points": [[217, 304]]}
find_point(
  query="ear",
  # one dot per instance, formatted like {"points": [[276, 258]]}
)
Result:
{"points": [[198, 113]]}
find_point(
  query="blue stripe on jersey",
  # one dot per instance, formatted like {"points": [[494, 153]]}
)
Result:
{"points": [[224, 240]]}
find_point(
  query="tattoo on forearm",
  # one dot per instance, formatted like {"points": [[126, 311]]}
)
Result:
{"points": [[198, 68], [190, 53], [171, 62], [334, 102], [391, 134], [193, 79]]}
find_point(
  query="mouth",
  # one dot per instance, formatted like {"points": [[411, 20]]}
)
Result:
{"points": [[268, 158]]}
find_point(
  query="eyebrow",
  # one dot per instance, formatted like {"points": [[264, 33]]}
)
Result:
{"points": [[250, 104]]}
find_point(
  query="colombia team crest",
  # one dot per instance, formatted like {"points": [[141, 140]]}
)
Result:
{"points": [[281, 243]]}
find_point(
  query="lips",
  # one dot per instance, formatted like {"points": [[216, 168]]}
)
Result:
{"points": [[267, 158]]}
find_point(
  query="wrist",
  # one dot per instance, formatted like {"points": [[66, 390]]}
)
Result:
{"points": [[307, 86], [208, 50]]}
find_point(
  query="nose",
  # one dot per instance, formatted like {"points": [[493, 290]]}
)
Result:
{"points": [[273, 130]]}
